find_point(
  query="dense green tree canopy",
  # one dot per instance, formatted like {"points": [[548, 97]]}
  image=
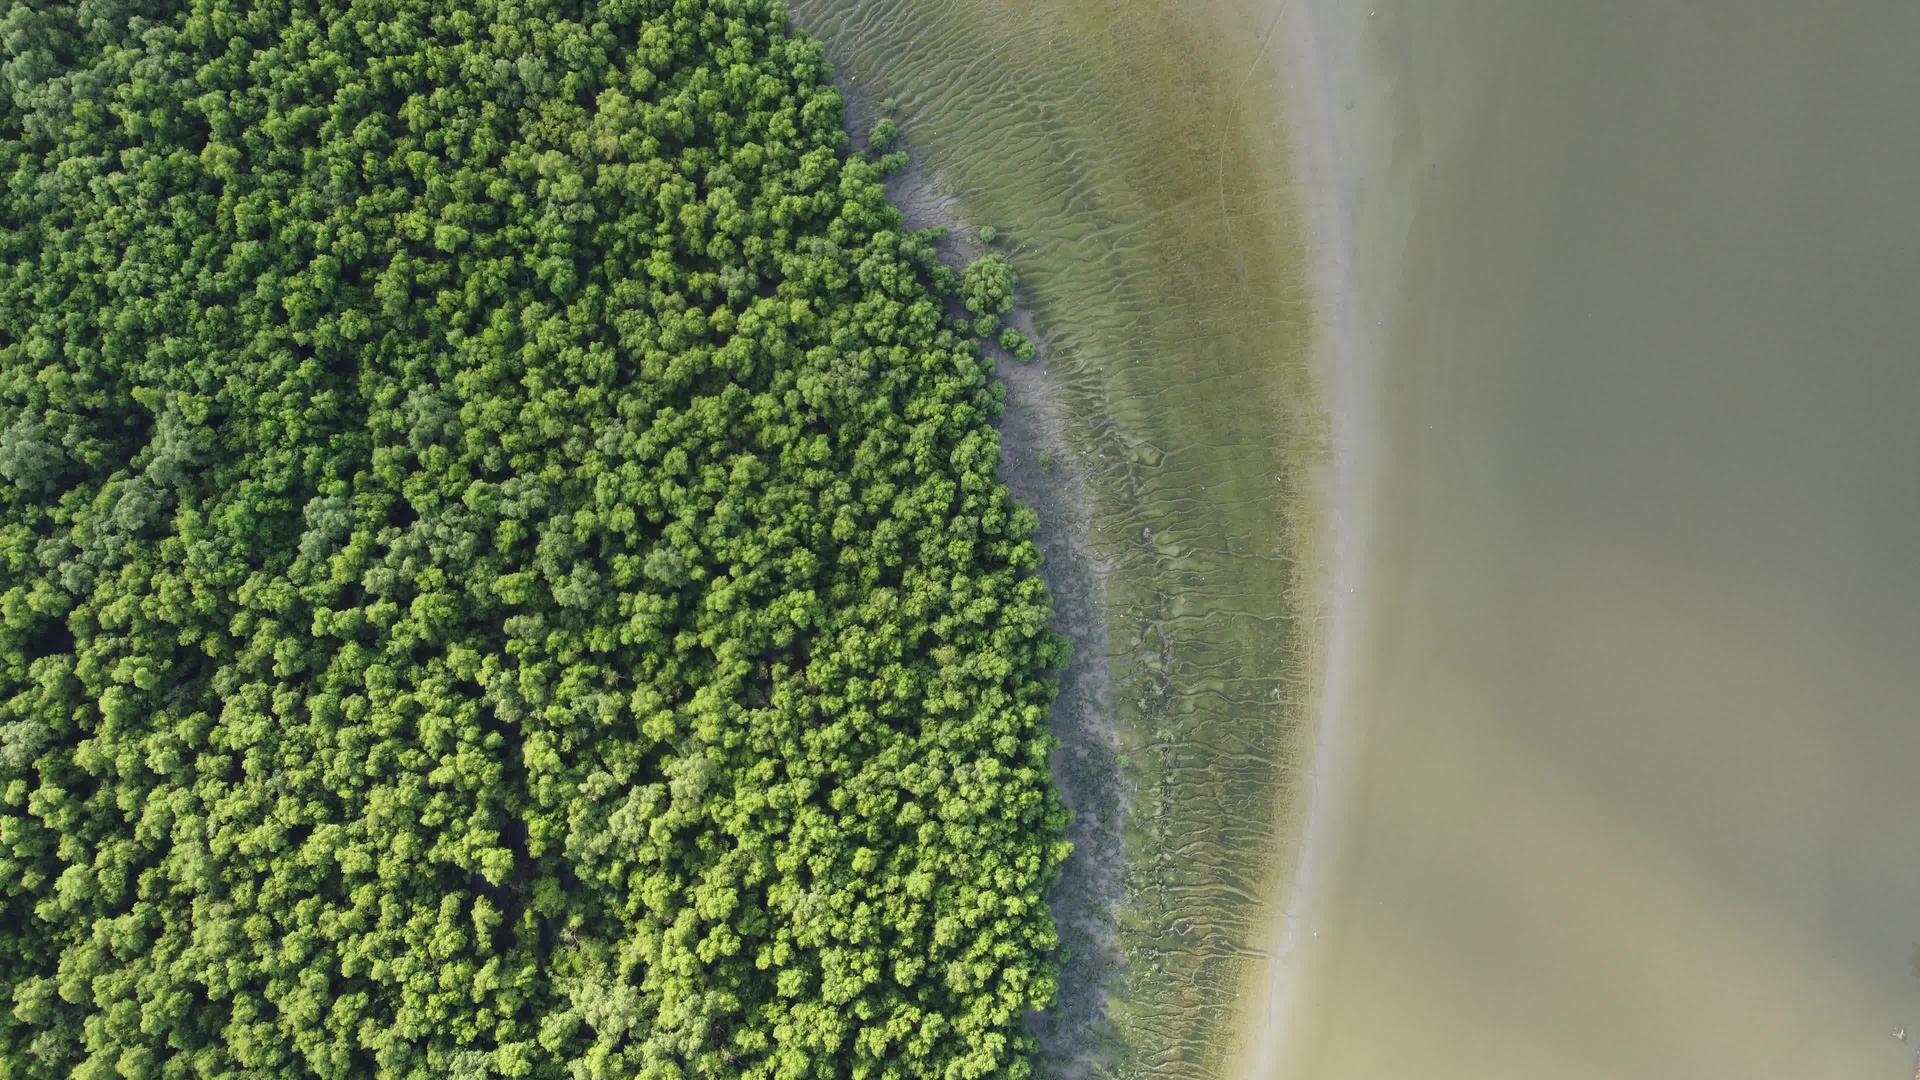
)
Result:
{"points": [[502, 571], [987, 286]]}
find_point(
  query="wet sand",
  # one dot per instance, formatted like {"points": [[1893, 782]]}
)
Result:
{"points": [[1315, 55], [1626, 781]]}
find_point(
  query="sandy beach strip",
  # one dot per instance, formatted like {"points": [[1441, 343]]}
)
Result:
{"points": [[1315, 53]]}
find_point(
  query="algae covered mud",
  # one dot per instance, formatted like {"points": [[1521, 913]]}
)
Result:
{"points": [[1638, 656], [1131, 157]]}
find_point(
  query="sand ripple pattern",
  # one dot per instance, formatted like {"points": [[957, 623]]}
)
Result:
{"points": [[1132, 161]]}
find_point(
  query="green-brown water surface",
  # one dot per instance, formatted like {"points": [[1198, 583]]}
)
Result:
{"points": [[1637, 659]]}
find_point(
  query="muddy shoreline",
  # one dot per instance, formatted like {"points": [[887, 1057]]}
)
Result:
{"points": [[1043, 470], [1174, 440]]}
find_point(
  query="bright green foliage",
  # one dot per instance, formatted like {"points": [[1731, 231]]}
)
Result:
{"points": [[883, 134], [1017, 344], [986, 287], [501, 567]]}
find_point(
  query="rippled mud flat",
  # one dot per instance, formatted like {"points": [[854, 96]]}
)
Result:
{"points": [[1130, 156]]}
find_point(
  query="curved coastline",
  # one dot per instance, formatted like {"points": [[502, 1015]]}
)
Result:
{"points": [[1174, 246]]}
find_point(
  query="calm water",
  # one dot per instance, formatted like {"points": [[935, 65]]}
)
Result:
{"points": [[1635, 786]]}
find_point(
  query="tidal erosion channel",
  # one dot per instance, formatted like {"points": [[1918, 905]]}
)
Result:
{"points": [[1132, 160]]}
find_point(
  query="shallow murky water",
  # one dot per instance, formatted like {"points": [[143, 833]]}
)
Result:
{"points": [[1637, 779]]}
